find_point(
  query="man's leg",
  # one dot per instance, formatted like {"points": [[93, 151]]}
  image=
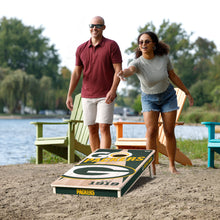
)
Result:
{"points": [[105, 118], [105, 136], [89, 116], [94, 140]]}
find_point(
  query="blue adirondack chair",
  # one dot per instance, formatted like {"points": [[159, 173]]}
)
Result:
{"points": [[213, 143], [74, 146]]}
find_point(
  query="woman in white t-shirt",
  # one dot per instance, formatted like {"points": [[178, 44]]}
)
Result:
{"points": [[154, 70]]}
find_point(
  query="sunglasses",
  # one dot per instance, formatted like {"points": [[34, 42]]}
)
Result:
{"points": [[96, 25], [145, 41]]}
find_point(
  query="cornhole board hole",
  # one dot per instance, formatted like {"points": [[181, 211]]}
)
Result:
{"points": [[105, 172]]}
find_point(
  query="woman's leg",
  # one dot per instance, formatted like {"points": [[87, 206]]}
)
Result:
{"points": [[151, 122], [169, 119]]}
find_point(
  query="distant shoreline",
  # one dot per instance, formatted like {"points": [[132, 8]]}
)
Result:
{"points": [[128, 118], [31, 116]]}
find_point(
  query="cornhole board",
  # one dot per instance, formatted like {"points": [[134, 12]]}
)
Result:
{"points": [[105, 172]]}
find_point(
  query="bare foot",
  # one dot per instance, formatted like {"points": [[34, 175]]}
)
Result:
{"points": [[174, 170]]}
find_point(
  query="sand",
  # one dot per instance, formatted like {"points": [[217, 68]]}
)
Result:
{"points": [[26, 193]]}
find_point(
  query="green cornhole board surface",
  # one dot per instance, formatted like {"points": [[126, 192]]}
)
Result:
{"points": [[105, 172]]}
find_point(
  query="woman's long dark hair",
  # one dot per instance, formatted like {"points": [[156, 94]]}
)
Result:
{"points": [[160, 47]]}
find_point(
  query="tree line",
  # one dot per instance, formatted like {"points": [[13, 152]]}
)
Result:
{"points": [[30, 72]]}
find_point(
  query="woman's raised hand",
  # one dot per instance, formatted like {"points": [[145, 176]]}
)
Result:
{"points": [[121, 75]]}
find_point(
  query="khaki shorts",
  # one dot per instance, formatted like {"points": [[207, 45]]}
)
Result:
{"points": [[95, 110]]}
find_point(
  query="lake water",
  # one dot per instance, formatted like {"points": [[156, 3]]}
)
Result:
{"points": [[17, 137]]}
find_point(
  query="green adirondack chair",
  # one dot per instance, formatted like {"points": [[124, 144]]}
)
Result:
{"points": [[74, 146]]}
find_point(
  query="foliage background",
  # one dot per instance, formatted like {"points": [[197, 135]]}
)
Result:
{"points": [[31, 75]]}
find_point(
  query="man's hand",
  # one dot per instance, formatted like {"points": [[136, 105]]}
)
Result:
{"points": [[110, 97], [69, 103]]}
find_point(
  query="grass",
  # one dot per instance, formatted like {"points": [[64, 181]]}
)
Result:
{"points": [[194, 149], [49, 158]]}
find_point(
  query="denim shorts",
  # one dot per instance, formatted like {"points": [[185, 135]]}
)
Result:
{"points": [[162, 102]]}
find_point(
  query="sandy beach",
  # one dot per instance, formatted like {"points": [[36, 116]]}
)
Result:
{"points": [[26, 193]]}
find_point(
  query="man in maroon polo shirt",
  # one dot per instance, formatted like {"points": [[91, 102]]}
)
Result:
{"points": [[100, 60]]}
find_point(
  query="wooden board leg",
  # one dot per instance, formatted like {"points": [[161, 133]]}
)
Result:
{"points": [[151, 171]]}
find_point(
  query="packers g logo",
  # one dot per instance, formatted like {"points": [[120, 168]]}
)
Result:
{"points": [[109, 154], [99, 171]]}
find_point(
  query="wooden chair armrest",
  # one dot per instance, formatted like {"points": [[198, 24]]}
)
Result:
{"points": [[75, 121], [140, 123], [180, 123], [119, 126], [208, 123], [127, 122], [211, 128], [39, 126], [47, 123]]}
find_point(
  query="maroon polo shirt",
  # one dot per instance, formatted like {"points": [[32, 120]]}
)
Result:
{"points": [[97, 62]]}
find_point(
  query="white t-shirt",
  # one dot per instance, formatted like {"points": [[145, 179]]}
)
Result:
{"points": [[153, 74]]}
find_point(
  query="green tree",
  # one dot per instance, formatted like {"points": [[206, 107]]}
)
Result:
{"points": [[14, 90], [46, 95], [24, 47], [120, 100], [33, 93], [204, 52], [206, 89], [216, 96], [176, 37], [62, 87], [184, 69], [4, 72], [137, 104], [201, 92], [214, 69], [204, 49]]}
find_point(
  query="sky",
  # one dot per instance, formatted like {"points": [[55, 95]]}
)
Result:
{"points": [[65, 22]]}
